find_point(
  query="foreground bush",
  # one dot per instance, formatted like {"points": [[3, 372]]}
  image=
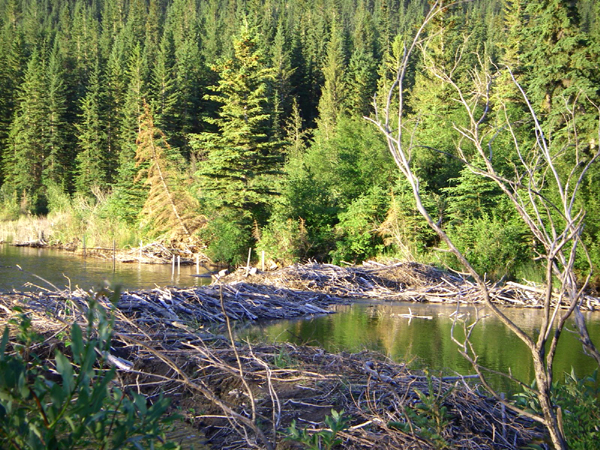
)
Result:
{"points": [[64, 404]]}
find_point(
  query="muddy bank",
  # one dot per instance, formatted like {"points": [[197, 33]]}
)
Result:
{"points": [[241, 396]]}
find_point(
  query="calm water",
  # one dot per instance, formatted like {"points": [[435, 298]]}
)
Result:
{"points": [[427, 342], [353, 328], [65, 269]]}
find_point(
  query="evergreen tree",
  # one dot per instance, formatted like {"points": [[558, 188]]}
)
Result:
{"points": [[58, 159], [164, 85], [333, 96], [188, 69], [91, 161], [12, 65], [557, 58], [28, 137], [169, 208], [212, 31], [280, 60], [115, 83], [130, 194], [362, 82], [239, 160], [112, 20]]}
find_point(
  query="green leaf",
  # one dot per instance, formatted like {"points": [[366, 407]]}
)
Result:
{"points": [[77, 343], [3, 343], [65, 369]]}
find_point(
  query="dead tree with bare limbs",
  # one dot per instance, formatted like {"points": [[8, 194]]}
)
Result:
{"points": [[555, 221]]}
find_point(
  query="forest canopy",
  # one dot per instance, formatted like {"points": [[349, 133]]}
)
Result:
{"points": [[242, 121]]}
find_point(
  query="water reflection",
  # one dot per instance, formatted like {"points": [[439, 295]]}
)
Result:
{"points": [[63, 269], [384, 328]]}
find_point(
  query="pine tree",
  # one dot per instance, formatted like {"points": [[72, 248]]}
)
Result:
{"points": [[333, 95], [130, 195], [188, 70], [169, 208], [241, 157], [115, 84], [28, 136], [59, 154], [212, 31], [556, 56], [164, 85], [361, 82], [12, 64], [91, 161], [280, 60]]}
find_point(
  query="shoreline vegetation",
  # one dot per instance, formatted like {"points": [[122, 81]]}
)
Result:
{"points": [[161, 342]]}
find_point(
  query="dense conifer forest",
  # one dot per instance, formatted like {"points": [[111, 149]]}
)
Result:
{"points": [[240, 123]]}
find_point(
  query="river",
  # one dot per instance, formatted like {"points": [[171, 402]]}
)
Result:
{"points": [[425, 342], [30, 269]]}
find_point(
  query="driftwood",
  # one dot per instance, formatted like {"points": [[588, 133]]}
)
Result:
{"points": [[226, 388], [401, 281], [161, 343]]}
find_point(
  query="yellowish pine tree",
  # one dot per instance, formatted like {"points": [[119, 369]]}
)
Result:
{"points": [[170, 210]]}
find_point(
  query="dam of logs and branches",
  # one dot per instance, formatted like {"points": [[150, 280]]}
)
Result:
{"points": [[247, 394]]}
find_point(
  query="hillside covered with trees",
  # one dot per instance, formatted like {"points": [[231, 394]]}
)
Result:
{"points": [[240, 123]]}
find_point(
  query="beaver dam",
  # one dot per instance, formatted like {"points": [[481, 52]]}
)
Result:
{"points": [[239, 395]]}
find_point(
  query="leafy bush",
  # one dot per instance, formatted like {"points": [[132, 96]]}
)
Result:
{"points": [[579, 400], [579, 407], [74, 404], [9, 204], [356, 232], [229, 237], [493, 246], [285, 241]]}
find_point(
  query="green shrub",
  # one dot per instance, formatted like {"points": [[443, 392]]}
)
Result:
{"points": [[76, 403], [320, 440], [579, 400], [356, 233], [493, 246], [229, 237], [284, 240], [9, 204]]}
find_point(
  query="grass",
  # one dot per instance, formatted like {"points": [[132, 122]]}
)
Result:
{"points": [[68, 224]]}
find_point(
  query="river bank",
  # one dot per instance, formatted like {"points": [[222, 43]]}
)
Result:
{"points": [[162, 342], [237, 394]]}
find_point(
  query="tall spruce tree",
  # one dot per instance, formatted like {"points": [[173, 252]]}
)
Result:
{"points": [[28, 137], [556, 57], [333, 95], [165, 94], [59, 154], [280, 60], [130, 194], [239, 160], [92, 165]]}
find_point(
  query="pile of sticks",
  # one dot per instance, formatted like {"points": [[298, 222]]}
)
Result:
{"points": [[246, 396], [402, 281]]}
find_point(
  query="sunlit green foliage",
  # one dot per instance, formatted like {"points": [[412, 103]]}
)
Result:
{"points": [[78, 408], [230, 81]]}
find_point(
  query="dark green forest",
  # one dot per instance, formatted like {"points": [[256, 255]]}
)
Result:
{"points": [[240, 123]]}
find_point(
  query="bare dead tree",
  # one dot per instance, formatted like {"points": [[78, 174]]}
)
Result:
{"points": [[556, 225]]}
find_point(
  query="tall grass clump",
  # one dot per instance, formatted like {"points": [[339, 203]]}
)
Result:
{"points": [[70, 220]]}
